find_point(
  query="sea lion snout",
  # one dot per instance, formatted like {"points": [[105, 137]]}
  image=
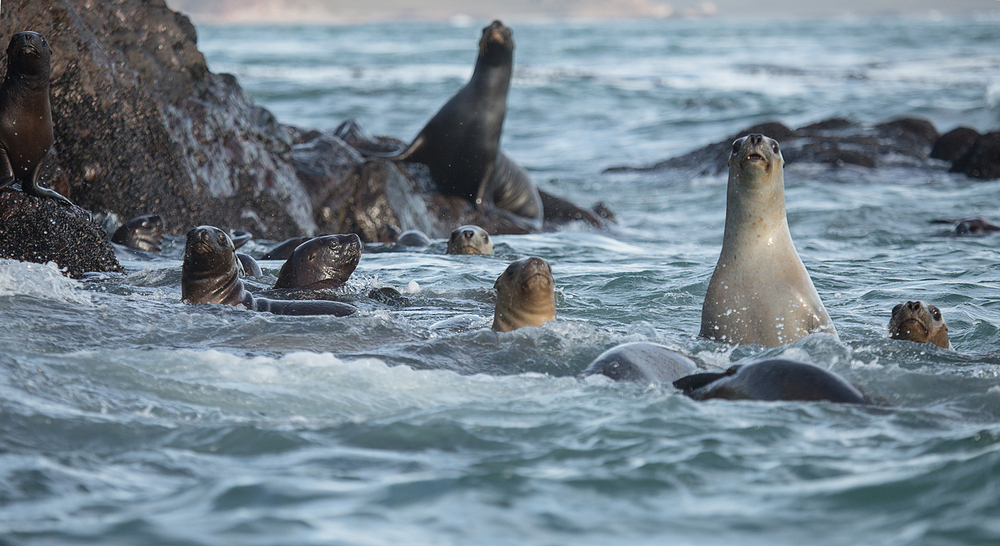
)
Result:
{"points": [[919, 322]]}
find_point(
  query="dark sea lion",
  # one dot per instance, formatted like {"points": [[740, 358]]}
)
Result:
{"points": [[525, 295], [470, 240], [413, 238], [321, 262], [284, 249], [250, 266], [759, 292], [974, 226], [642, 362], [917, 321], [25, 115], [461, 143], [775, 379], [211, 275], [240, 237], [141, 233]]}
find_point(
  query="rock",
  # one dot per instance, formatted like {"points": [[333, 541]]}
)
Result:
{"points": [[982, 160], [953, 144], [142, 126], [42, 231]]}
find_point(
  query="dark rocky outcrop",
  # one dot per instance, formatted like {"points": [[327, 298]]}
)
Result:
{"points": [[953, 144], [982, 160], [835, 142], [42, 230]]}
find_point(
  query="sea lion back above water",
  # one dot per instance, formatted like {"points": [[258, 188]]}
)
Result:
{"points": [[771, 380], [25, 115], [919, 322], [759, 292]]}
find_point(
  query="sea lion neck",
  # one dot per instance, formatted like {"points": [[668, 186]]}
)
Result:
{"points": [[755, 197]]}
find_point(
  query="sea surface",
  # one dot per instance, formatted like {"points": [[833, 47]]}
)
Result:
{"points": [[128, 417]]}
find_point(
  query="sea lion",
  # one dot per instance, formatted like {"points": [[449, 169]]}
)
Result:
{"points": [[461, 143], [239, 237], [775, 379], [642, 362], [25, 115], [284, 249], [321, 262], [917, 321], [760, 292], [470, 240], [141, 233], [250, 266], [525, 295], [210, 274], [413, 238]]}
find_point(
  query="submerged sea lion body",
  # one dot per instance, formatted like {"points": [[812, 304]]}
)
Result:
{"points": [[470, 240], [211, 275], [525, 295], [141, 233], [759, 292], [284, 249], [413, 238], [775, 379], [25, 114], [461, 143], [321, 262], [919, 322], [642, 362]]}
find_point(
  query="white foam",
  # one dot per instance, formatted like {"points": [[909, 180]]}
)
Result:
{"points": [[39, 280]]}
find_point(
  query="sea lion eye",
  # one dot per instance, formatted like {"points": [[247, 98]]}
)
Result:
{"points": [[736, 146], [774, 147], [936, 313]]}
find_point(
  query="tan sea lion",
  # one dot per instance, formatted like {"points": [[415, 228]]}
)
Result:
{"points": [[917, 321], [760, 292], [470, 240], [525, 295]]}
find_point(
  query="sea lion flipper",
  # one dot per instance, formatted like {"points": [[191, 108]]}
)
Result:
{"points": [[696, 381], [407, 154], [30, 186]]}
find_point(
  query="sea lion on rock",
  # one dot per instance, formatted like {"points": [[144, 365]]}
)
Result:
{"points": [[642, 362], [470, 240], [25, 115], [321, 262], [917, 321], [775, 379], [759, 292], [525, 295], [461, 143], [211, 275], [141, 233]]}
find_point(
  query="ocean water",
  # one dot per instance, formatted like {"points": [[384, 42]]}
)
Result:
{"points": [[127, 417]]}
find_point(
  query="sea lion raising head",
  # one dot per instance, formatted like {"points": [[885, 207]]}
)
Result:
{"points": [[759, 292], [141, 233], [917, 321], [525, 295], [321, 262]]}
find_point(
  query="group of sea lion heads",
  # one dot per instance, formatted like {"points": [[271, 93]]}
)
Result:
{"points": [[760, 292]]}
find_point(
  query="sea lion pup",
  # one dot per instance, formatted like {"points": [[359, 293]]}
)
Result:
{"points": [[211, 275], [917, 321], [470, 240], [321, 262], [525, 295], [141, 233], [641, 362], [461, 143], [25, 114], [775, 379], [760, 292]]}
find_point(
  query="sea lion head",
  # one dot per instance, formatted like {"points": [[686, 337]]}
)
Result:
{"points": [[470, 240], [143, 233], [321, 262], [28, 53], [211, 268], [496, 47], [974, 226], [917, 321], [525, 295], [755, 156]]}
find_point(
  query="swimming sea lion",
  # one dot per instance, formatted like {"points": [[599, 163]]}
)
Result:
{"points": [[284, 249], [210, 275], [775, 379], [525, 295], [642, 362], [760, 292], [240, 237], [470, 240], [25, 114], [414, 238], [141, 233], [461, 143], [917, 321], [321, 262], [250, 266]]}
